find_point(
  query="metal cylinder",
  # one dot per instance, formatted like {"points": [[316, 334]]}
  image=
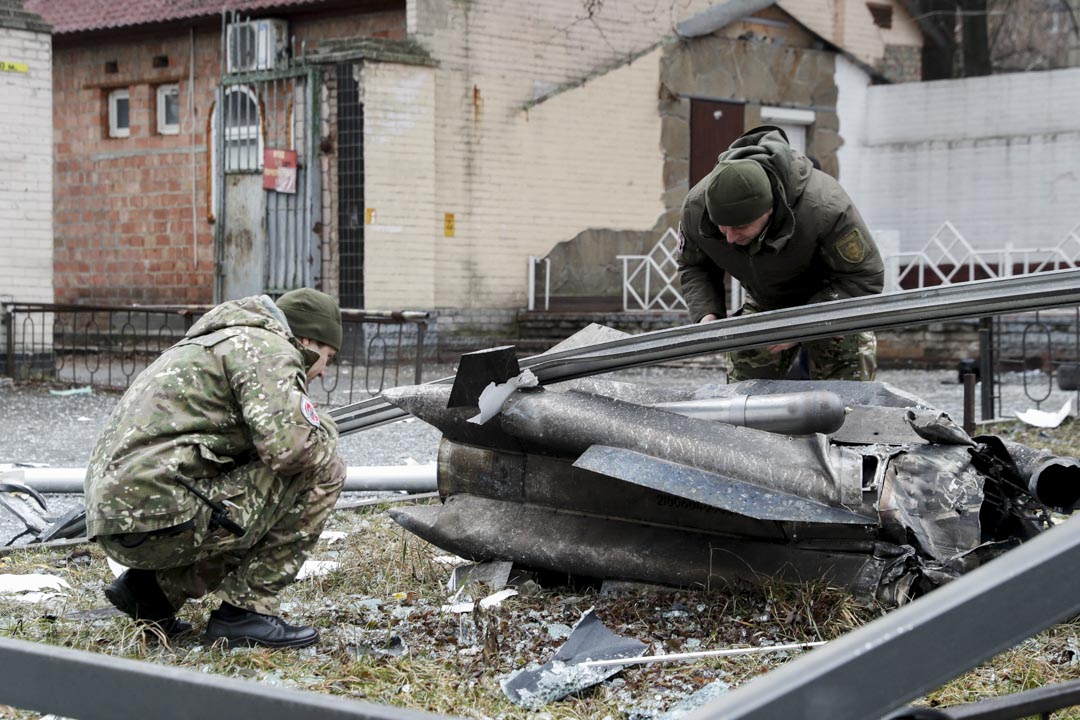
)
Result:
{"points": [[801, 413], [570, 423], [407, 478]]}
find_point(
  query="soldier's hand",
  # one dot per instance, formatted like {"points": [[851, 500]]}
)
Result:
{"points": [[708, 318], [774, 349]]}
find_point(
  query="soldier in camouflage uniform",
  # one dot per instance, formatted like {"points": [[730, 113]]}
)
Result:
{"points": [[219, 429], [791, 235]]}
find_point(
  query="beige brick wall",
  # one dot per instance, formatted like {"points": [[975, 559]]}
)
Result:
{"points": [[520, 180], [402, 229], [26, 241]]}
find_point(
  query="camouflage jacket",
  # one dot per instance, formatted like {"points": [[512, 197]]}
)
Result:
{"points": [[232, 392], [816, 247]]}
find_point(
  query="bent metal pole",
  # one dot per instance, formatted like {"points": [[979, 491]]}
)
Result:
{"points": [[982, 298]]}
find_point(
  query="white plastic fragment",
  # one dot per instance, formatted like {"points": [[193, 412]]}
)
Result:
{"points": [[316, 568], [1044, 419], [450, 560], [32, 588], [332, 536], [488, 602], [117, 568], [493, 396]]}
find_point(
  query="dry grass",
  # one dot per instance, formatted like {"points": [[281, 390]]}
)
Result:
{"points": [[385, 639]]}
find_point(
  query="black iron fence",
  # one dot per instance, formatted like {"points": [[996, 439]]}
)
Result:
{"points": [[107, 346]]}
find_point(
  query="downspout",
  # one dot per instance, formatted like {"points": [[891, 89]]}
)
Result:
{"points": [[194, 171]]}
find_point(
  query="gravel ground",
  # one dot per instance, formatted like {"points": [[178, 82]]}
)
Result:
{"points": [[39, 426]]}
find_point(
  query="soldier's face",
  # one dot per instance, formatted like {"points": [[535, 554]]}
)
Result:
{"points": [[326, 354], [745, 234]]}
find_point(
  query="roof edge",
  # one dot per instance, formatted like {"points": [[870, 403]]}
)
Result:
{"points": [[13, 16]]}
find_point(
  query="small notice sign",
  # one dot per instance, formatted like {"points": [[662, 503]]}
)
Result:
{"points": [[7, 66], [279, 170], [448, 225]]}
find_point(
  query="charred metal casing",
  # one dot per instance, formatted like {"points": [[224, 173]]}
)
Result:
{"points": [[590, 485], [603, 479]]}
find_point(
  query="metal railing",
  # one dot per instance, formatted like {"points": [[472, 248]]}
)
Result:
{"points": [[949, 258], [107, 346], [650, 279]]}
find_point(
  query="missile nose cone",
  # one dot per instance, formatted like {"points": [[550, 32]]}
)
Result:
{"points": [[419, 520], [427, 402]]}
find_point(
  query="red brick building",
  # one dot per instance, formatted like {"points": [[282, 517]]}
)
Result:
{"points": [[134, 87]]}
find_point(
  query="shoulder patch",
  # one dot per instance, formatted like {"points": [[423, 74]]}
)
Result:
{"points": [[307, 409], [852, 247]]}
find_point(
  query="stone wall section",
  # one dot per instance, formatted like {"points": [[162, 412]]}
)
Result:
{"points": [[26, 200]]}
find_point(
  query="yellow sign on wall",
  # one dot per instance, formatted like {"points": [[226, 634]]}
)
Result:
{"points": [[369, 216], [6, 66], [448, 225]]}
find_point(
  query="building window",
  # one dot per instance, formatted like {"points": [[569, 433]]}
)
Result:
{"points": [[119, 113], [168, 109], [243, 136], [881, 13]]}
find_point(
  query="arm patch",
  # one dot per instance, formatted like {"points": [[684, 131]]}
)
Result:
{"points": [[852, 247]]}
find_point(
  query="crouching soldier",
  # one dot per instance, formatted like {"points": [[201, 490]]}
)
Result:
{"points": [[215, 473]]}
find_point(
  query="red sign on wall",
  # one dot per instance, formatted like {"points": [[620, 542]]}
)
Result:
{"points": [[279, 170]]}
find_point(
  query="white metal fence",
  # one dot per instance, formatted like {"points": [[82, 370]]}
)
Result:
{"points": [[650, 281]]}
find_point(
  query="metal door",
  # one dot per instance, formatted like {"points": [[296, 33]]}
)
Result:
{"points": [[713, 127], [265, 169]]}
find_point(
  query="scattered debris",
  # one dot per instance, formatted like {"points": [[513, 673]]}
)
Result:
{"points": [[706, 694], [564, 674], [332, 536], [487, 602], [316, 568], [494, 574], [683, 657], [494, 396], [87, 390], [1045, 419], [33, 587]]}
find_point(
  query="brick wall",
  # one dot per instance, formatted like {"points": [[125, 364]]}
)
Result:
{"points": [[996, 156], [124, 225], [26, 179], [399, 187], [500, 166]]}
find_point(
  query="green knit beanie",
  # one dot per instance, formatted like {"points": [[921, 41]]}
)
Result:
{"points": [[312, 314], [738, 192]]}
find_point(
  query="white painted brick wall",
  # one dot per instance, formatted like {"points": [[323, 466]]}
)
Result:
{"points": [[996, 156], [518, 181], [26, 237]]}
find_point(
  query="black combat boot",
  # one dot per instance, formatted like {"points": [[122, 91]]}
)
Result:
{"points": [[137, 594], [244, 628]]}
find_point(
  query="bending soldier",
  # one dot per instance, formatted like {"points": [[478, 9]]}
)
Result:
{"points": [[215, 473], [791, 235]]}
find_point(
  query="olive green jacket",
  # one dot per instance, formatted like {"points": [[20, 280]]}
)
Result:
{"points": [[816, 247], [232, 392]]}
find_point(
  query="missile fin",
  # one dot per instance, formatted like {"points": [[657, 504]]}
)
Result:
{"points": [[711, 489]]}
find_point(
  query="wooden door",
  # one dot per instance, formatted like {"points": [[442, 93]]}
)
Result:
{"points": [[713, 127]]}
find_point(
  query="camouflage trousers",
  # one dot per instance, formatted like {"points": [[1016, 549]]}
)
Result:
{"points": [[848, 357], [282, 516]]}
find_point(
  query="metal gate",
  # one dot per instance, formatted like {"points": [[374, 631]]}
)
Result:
{"points": [[266, 179]]}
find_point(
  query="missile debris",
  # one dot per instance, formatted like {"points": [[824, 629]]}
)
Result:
{"points": [[603, 479]]}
